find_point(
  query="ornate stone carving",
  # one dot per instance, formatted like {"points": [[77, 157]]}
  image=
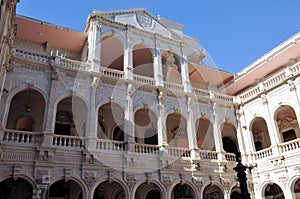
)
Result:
{"points": [[144, 20], [111, 175], [161, 97], [16, 171], [54, 75], [68, 173], [130, 90], [95, 82], [131, 181], [166, 181], [291, 84], [264, 99], [198, 181], [89, 178]]}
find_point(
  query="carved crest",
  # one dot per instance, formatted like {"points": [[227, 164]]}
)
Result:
{"points": [[144, 20]]}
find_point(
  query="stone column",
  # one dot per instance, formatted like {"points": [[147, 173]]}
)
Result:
{"points": [[191, 130], [184, 70], [217, 133], [161, 121], [94, 43], [129, 119], [157, 65], [128, 57], [295, 98], [91, 130], [273, 132]]}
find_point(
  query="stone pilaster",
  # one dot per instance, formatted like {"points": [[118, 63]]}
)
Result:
{"points": [[184, 70], [161, 122], [94, 41], [128, 57]]}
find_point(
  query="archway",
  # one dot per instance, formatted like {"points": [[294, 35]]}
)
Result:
{"points": [[111, 122], [182, 191], [229, 138], [71, 117], [146, 126], [142, 60], [63, 189], [177, 130], [26, 112], [212, 192], [171, 67], [287, 123], [297, 188], [273, 191], [204, 133], [107, 190], [112, 57], [19, 188], [148, 191], [260, 134]]}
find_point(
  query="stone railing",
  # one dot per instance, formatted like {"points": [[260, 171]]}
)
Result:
{"points": [[68, 141], [21, 137], [263, 153], [144, 80], [146, 148], [173, 86], [222, 97], [112, 73], [201, 92], [290, 146], [272, 81], [73, 64], [110, 145], [208, 155], [32, 56], [179, 152], [230, 157]]}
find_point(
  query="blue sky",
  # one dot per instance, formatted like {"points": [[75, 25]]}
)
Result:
{"points": [[234, 32]]}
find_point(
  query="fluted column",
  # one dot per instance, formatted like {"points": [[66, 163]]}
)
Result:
{"points": [[184, 70], [157, 65], [94, 41], [128, 57]]}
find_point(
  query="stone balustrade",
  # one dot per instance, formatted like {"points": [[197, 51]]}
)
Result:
{"points": [[21, 137], [208, 155], [276, 79], [73, 64], [112, 73], [173, 86], [31, 56], [68, 141], [201, 92], [290, 146], [110, 145], [230, 157], [263, 153], [144, 80], [179, 152], [146, 148]]}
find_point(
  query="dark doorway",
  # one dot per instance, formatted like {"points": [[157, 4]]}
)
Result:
{"points": [[62, 129], [229, 146], [153, 194]]}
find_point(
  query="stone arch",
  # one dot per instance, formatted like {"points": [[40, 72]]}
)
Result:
{"points": [[229, 137], [27, 103], [176, 126], [63, 183], [196, 78], [272, 189], [142, 59], [145, 122], [204, 133], [287, 123], [192, 189], [115, 181], [212, 189], [260, 133], [112, 114], [154, 185], [112, 57], [16, 188], [70, 121]]}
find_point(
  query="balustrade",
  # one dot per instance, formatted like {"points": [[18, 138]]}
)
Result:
{"points": [[230, 157], [290, 146], [263, 153], [146, 148], [68, 141], [112, 73], [173, 86], [179, 152], [110, 145], [21, 137], [144, 80], [208, 155]]}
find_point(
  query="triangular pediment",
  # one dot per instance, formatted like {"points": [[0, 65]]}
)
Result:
{"points": [[141, 19]]}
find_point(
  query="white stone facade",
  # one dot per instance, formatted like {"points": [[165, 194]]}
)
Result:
{"points": [[122, 118]]}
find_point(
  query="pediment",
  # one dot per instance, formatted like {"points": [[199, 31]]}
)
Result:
{"points": [[141, 19]]}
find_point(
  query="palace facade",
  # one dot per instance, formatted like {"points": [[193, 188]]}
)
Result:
{"points": [[131, 108]]}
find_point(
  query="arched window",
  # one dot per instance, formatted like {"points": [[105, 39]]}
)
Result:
{"points": [[25, 123]]}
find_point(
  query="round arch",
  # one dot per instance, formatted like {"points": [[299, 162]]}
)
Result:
{"points": [[16, 188], [176, 126], [104, 180], [62, 180], [212, 189], [157, 186], [260, 133], [112, 57], [229, 137], [142, 59], [26, 102], [187, 183], [204, 133]]}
